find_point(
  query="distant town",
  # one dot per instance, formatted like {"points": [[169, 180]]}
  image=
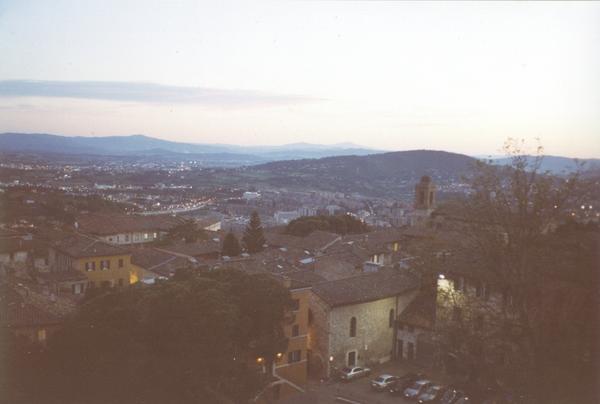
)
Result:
{"points": [[393, 281]]}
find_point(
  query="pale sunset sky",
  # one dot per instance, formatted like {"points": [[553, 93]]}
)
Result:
{"points": [[391, 75]]}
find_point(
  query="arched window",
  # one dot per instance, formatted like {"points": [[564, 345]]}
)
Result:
{"points": [[391, 319], [353, 327]]}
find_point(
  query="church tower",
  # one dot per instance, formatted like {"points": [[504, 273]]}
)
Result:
{"points": [[425, 194]]}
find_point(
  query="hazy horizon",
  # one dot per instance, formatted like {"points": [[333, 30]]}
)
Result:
{"points": [[459, 77]]}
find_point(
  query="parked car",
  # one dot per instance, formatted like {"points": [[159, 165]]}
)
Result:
{"points": [[383, 382], [404, 382], [451, 395], [355, 372], [416, 389], [432, 394]]}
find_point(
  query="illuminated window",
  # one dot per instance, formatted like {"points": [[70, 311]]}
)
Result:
{"points": [[41, 335]]}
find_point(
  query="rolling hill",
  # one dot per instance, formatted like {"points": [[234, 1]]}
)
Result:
{"points": [[376, 174], [136, 145]]}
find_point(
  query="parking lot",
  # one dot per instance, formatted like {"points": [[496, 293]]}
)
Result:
{"points": [[359, 390]]}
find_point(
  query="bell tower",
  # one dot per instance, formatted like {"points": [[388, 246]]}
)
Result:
{"points": [[425, 194]]}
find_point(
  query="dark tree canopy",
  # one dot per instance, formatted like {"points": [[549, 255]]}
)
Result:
{"points": [[187, 231], [511, 233], [177, 341], [231, 246], [254, 238], [340, 224]]}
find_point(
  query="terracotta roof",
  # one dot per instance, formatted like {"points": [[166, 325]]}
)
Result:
{"points": [[315, 241], [62, 276], [366, 288], [79, 246], [16, 312], [304, 278], [421, 311], [105, 224], [203, 247], [10, 245], [157, 261]]}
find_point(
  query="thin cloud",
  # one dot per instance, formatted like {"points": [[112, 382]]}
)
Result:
{"points": [[146, 92]]}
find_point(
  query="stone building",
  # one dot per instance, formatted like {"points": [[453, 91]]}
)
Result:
{"points": [[353, 320]]}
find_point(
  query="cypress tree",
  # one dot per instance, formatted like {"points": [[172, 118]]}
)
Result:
{"points": [[231, 246], [253, 235]]}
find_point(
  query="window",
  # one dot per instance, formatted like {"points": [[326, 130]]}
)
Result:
{"points": [[90, 266], [295, 330], [294, 356], [391, 318], [41, 335], [295, 304], [127, 238], [76, 288], [353, 327], [104, 265], [145, 236], [120, 262]]}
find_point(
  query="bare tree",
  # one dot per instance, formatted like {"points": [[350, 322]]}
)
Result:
{"points": [[518, 298]]}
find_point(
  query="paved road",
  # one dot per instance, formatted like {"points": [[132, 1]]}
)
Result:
{"points": [[359, 390]]}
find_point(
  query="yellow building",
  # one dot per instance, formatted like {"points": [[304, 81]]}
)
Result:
{"points": [[103, 264], [292, 366]]}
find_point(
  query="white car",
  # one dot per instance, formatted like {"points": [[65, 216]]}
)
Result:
{"points": [[355, 372], [383, 382]]}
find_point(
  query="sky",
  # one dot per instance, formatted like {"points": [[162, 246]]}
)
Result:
{"points": [[452, 76]]}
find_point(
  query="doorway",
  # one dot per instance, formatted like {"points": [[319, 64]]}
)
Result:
{"points": [[352, 358]]}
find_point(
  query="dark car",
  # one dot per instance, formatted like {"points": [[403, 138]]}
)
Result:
{"points": [[383, 382], [416, 389], [432, 394], [404, 382], [451, 395]]}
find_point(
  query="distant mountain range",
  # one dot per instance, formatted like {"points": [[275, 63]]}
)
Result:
{"points": [[139, 145], [555, 164], [148, 148]]}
